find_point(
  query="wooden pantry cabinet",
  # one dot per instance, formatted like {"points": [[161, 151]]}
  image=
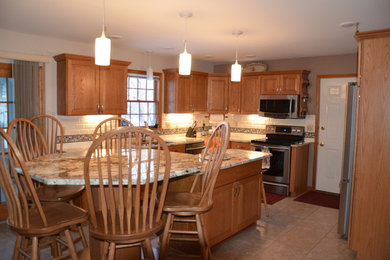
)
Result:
{"points": [[84, 88], [185, 94]]}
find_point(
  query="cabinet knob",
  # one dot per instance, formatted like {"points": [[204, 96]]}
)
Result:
{"points": [[322, 127], [322, 143]]}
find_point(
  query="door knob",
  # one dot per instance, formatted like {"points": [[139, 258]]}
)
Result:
{"points": [[322, 143], [322, 127]]}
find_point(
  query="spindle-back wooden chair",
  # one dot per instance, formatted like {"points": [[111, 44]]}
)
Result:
{"points": [[188, 207], [27, 216], [108, 125], [125, 204]]}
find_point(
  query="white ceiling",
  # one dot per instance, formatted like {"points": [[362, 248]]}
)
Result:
{"points": [[273, 29]]}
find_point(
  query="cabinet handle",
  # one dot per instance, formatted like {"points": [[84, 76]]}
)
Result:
{"points": [[98, 108], [101, 108]]}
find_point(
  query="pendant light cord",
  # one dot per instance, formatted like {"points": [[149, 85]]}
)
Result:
{"points": [[104, 16], [237, 47]]}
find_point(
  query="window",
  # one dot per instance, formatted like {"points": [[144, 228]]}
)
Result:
{"points": [[7, 95], [143, 99]]}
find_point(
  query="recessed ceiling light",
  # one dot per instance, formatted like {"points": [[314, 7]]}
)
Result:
{"points": [[115, 36], [250, 56], [349, 24], [167, 48], [208, 56]]}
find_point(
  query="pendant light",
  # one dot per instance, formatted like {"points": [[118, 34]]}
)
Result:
{"points": [[149, 70], [185, 57], [103, 46], [236, 68]]}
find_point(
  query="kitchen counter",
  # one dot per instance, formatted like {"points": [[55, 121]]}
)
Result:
{"points": [[67, 169]]}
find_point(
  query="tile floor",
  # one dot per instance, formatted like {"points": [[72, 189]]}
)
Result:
{"points": [[294, 230]]}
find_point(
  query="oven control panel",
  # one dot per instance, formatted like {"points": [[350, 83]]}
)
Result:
{"points": [[285, 130]]}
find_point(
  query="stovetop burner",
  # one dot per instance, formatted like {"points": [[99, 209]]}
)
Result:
{"points": [[282, 135]]}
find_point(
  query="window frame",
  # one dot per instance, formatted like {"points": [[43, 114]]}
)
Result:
{"points": [[159, 102]]}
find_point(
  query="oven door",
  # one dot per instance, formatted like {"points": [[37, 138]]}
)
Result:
{"points": [[279, 171]]}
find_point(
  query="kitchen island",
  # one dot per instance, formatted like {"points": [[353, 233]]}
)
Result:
{"points": [[236, 195]]}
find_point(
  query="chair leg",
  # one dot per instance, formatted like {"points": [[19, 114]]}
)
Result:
{"points": [[35, 249], [149, 250], [71, 247], [82, 236], [165, 237], [205, 249], [111, 251], [18, 243], [264, 198]]}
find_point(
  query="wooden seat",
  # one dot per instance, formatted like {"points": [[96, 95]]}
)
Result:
{"points": [[188, 207], [32, 144], [108, 125], [33, 221], [125, 204]]}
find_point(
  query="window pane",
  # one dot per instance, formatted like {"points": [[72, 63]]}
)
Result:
{"points": [[11, 112], [143, 119], [142, 83], [143, 107], [3, 89], [152, 120], [3, 115], [142, 94], [132, 94], [150, 84], [150, 95], [133, 83], [135, 120], [11, 90], [134, 108], [152, 108]]}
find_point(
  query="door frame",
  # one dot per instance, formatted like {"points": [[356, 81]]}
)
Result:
{"points": [[317, 117]]}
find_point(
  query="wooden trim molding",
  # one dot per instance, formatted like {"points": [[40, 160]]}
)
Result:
{"points": [[317, 122], [372, 34], [6, 70]]}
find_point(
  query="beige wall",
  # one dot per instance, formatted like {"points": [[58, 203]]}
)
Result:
{"points": [[336, 64]]}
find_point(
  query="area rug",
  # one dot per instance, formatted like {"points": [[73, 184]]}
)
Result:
{"points": [[272, 198], [320, 199]]}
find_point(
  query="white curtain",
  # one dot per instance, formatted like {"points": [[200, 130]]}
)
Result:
{"points": [[27, 88]]}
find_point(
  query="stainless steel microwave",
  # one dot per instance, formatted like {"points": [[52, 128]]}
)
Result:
{"points": [[279, 106]]}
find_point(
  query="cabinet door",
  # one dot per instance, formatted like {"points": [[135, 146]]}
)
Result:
{"points": [[240, 145], [299, 169], [183, 89], [289, 84], [250, 92], [113, 81], [82, 87], [269, 84], [234, 98], [218, 221], [216, 95], [248, 202], [179, 148], [198, 93]]}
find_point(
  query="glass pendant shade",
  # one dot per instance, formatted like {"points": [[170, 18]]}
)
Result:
{"points": [[185, 63], [102, 50], [149, 73], [236, 72]]}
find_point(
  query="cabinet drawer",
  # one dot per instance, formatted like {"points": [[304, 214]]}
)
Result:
{"points": [[240, 145]]}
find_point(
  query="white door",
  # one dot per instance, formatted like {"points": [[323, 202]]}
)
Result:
{"points": [[331, 133]]}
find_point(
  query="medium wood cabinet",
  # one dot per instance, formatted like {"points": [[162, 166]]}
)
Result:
{"points": [[217, 93], [179, 148], [234, 98], [184, 94], [240, 145], [84, 88], [250, 92], [369, 230], [299, 169]]}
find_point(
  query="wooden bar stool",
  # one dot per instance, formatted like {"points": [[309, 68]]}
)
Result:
{"points": [[189, 207], [27, 216]]}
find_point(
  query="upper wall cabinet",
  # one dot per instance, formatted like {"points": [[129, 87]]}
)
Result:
{"points": [[184, 94], [84, 88], [217, 94], [284, 82], [250, 92]]}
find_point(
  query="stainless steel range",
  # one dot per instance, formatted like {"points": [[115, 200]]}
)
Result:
{"points": [[278, 142]]}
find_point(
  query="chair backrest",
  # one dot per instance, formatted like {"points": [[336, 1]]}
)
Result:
{"points": [[126, 174], [211, 161], [28, 138], [108, 125], [52, 130], [18, 187]]}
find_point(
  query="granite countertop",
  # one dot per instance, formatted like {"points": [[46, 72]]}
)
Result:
{"points": [[67, 169]]}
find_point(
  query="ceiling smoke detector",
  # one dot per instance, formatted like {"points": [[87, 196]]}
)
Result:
{"points": [[350, 24]]}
